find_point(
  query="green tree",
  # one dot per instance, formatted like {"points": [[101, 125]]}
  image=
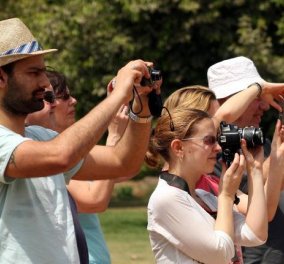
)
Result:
{"points": [[183, 38]]}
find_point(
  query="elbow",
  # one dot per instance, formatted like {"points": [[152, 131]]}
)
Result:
{"points": [[270, 214], [270, 218], [128, 171], [65, 161], [261, 237], [92, 209], [98, 205], [227, 116], [132, 173]]}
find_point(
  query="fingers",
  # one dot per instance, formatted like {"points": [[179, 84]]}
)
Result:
{"points": [[141, 66], [232, 177], [237, 166], [224, 168], [122, 112], [246, 152], [275, 105], [110, 86], [276, 136]]}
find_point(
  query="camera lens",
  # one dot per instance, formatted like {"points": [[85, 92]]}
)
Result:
{"points": [[253, 136]]}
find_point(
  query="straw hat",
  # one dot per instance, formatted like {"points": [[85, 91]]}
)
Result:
{"points": [[230, 76], [17, 42]]}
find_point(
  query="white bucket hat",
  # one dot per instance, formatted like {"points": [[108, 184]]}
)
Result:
{"points": [[231, 76], [17, 42]]}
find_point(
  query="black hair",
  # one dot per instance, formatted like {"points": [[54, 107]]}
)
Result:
{"points": [[58, 81]]}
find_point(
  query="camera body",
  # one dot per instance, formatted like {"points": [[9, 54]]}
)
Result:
{"points": [[155, 100], [155, 75], [230, 139]]}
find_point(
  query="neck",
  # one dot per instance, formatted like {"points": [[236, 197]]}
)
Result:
{"points": [[14, 123], [190, 177]]}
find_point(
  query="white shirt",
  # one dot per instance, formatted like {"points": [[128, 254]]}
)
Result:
{"points": [[182, 232], [36, 224]]}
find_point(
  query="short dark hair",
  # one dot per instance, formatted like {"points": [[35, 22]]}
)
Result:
{"points": [[58, 81]]}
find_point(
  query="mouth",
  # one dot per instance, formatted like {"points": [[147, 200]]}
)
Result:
{"points": [[72, 113], [39, 94]]}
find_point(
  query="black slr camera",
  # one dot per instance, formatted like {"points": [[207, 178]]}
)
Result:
{"points": [[230, 139], [155, 100]]}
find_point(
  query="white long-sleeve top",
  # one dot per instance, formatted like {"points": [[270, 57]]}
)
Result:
{"points": [[182, 232]]}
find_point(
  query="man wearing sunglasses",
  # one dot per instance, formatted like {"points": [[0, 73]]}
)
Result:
{"points": [[226, 78], [36, 224]]}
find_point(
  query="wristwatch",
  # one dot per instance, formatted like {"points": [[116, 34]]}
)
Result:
{"points": [[140, 120]]}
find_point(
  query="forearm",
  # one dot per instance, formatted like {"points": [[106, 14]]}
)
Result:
{"points": [[36, 158], [235, 106], [81, 137], [272, 189], [256, 217], [224, 221], [91, 197]]}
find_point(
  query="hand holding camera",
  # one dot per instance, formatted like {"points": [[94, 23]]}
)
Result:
{"points": [[230, 139], [155, 102]]}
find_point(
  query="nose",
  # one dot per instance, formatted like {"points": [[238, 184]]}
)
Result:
{"points": [[54, 104], [44, 81], [73, 100], [217, 148]]}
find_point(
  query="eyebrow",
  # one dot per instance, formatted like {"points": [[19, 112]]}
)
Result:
{"points": [[38, 69]]}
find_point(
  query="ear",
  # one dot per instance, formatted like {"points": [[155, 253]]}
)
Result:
{"points": [[177, 147], [3, 78]]}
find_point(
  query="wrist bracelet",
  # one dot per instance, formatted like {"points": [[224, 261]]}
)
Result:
{"points": [[140, 120], [259, 88]]}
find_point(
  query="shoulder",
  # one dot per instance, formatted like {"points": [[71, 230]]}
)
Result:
{"points": [[9, 138], [39, 133], [166, 197]]}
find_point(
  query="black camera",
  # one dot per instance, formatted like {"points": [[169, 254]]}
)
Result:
{"points": [[155, 75], [155, 100], [230, 139]]}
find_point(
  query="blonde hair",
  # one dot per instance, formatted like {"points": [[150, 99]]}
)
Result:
{"points": [[196, 96], [178, 123]]}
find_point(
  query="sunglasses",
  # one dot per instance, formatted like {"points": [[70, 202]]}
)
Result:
{"points": [[207, 140], [49, 97], [64, 96]]}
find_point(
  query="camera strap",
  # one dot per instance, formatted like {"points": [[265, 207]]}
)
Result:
{"points": [[175, 181], [180, 183]]}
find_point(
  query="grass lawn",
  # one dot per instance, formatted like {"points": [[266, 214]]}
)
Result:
{"points": [[126, 235]]}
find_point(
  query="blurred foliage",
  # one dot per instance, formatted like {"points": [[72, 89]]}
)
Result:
{"points": [[183, 38]]}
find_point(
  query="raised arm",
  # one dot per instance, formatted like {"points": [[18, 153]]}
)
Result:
{"points": [[256, 217], [235, 106], [229, 183], [65, 150], [127, 156], [94, 196], [273, 184]]}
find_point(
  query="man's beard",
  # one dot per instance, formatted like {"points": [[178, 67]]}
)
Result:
{"points": [[15, 101]]}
